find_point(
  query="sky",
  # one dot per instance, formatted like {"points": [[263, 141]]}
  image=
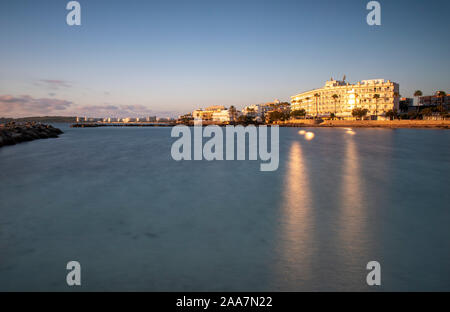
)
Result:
{"points": [[165, 58]]}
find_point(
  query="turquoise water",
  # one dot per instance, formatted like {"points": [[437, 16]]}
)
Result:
{"points": [[114, 200]]}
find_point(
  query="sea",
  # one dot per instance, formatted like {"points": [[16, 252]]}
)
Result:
{"points": [[114, 200]]}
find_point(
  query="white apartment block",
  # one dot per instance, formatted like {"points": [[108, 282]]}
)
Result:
{"points": [[340, 98]]}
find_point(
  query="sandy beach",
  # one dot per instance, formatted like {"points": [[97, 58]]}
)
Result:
{"points": [[443, 124]]}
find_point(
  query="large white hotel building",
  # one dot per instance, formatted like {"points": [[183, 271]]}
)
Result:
{"points": [[340, 98]]}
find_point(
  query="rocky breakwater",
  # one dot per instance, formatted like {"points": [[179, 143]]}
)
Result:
{"points": [[12, 133]]}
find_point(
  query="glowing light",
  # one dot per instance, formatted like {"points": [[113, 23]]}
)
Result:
{"points": [[302, 132], [297, 219], [351, 132], [309, 136]]}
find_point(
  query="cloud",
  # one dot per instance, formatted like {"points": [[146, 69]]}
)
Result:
{"points": [[26, 105], [53, 84], [115, 110], [133, 111]]}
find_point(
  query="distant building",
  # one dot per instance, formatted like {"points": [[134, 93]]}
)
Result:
{"points": [[259, 110], [408, 101], [207, 113], [406, 104], [349, 96], [256, 110], [186, 118], [223, 116], [280, 107], [434, 100]]}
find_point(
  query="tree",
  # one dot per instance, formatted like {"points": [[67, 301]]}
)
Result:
{"points": [[232, 110], [359, 112], [413, 115], [335, 97], [418, 94], [245, 120], [277, 116], [298, 113], [317, 95], [427, 111], [376, 97], [391, 114]]}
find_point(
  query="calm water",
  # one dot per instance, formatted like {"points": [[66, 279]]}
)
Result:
{"points": [[114, 200]]}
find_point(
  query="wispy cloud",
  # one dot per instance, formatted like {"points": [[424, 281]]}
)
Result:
{"points": [[110, 110], [53, 84], [26, 105], [115, 110]]}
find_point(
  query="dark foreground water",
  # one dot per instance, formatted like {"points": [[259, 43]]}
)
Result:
{"points": [[114, 200]]}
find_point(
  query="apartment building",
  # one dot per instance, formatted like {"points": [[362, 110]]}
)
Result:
{"points": [[340, 98]]}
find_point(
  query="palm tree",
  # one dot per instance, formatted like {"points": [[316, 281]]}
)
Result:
{"points": [[307, 99], [335, 97], [233, 112], [317, 95], [441, 95], [376, 97], [418, 94]]}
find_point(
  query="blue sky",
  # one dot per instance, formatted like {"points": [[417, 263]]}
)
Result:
{"points": [[170, 57]]}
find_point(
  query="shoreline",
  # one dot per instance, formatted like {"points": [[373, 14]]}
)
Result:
{"points": [[391, 124], [307, 123]]}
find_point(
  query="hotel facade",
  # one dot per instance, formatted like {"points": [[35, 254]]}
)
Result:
{"points": [[207, 113], [340, 98]]}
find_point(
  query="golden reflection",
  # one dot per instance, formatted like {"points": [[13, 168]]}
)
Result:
{"points": [[352, 216], [296, 222]]}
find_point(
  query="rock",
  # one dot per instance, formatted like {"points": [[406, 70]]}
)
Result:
{"points": [[12, 133]]}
